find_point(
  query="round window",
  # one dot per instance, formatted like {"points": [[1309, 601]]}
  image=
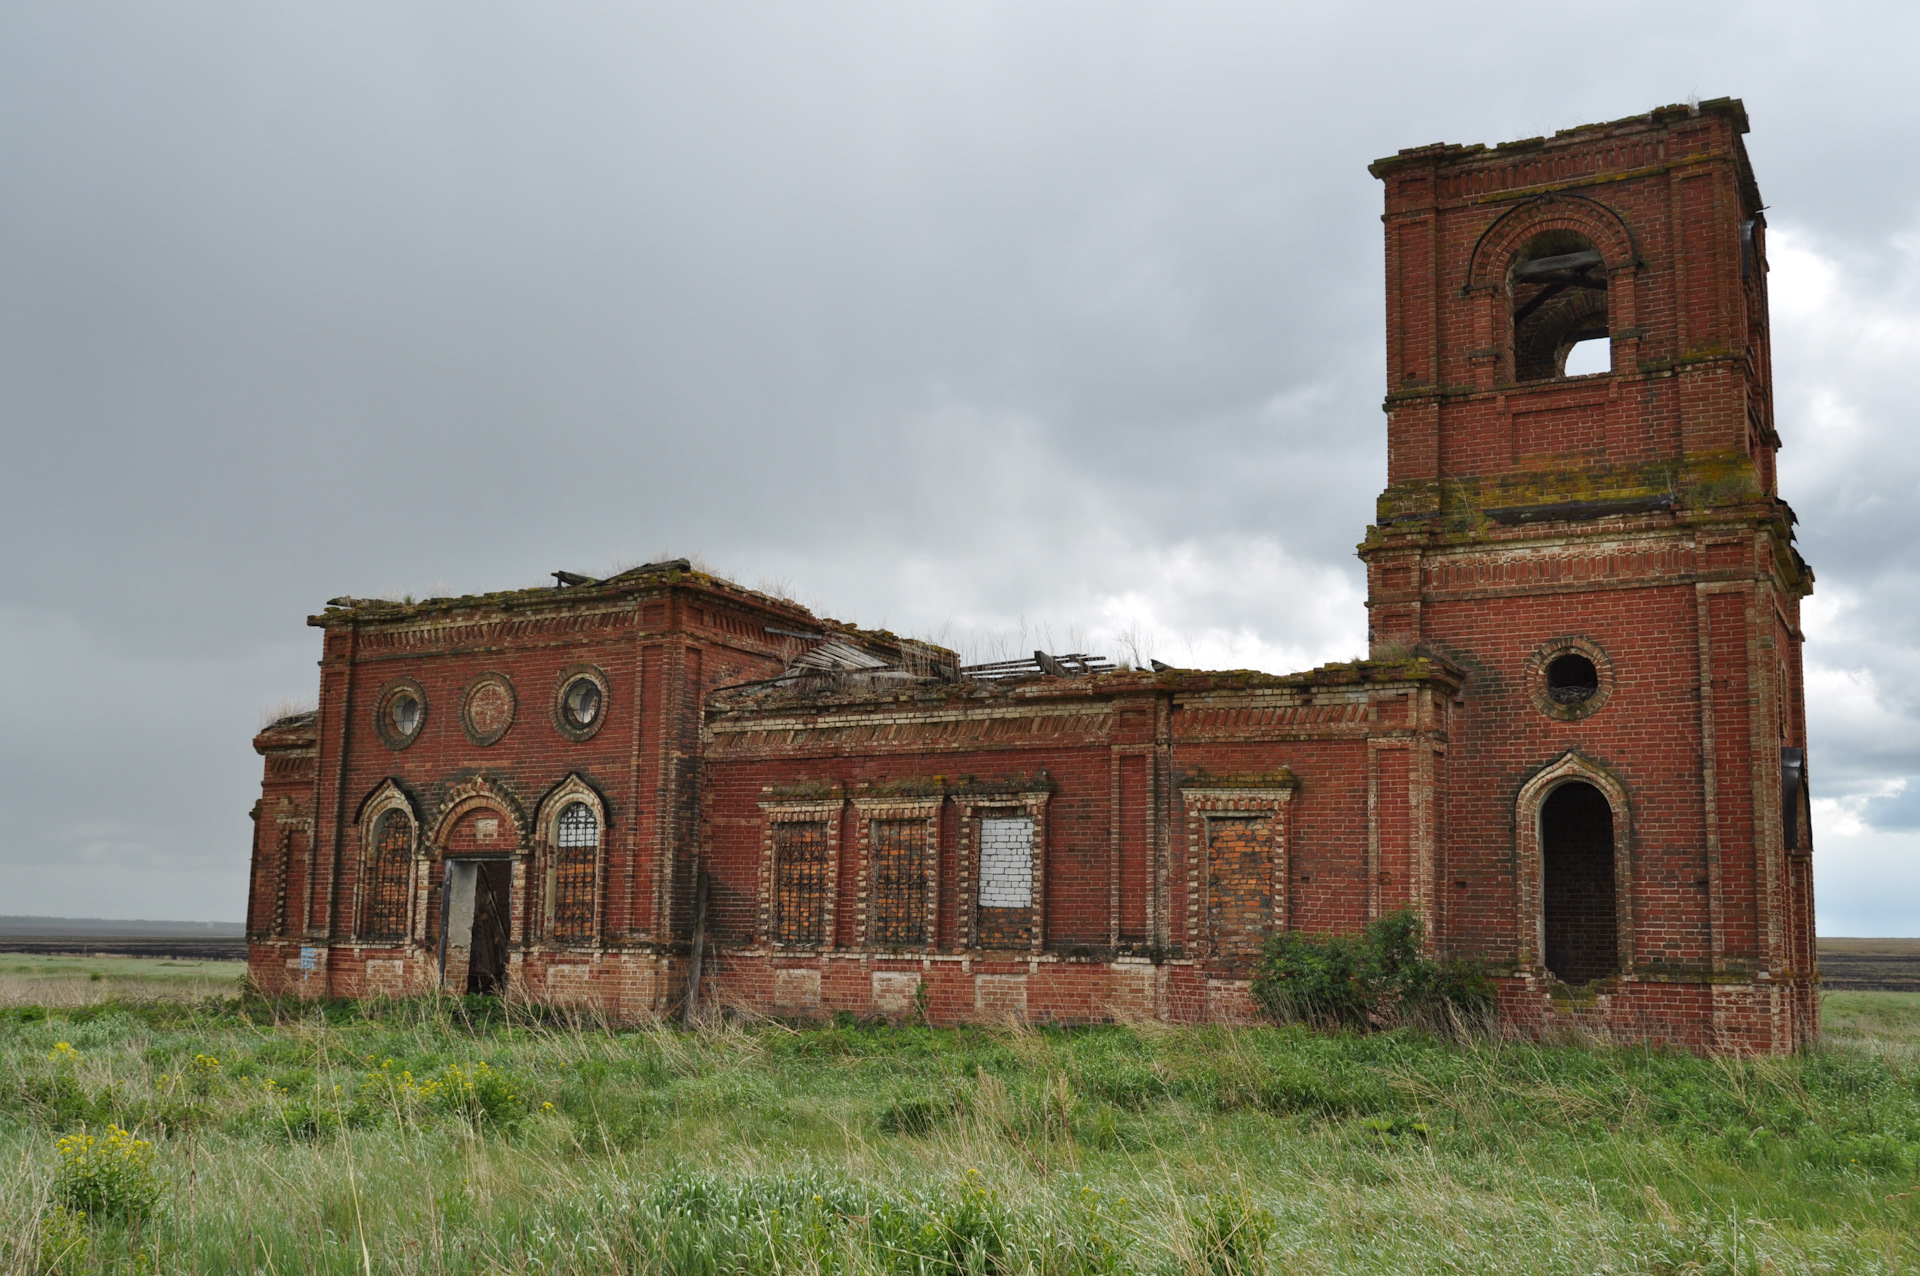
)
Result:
{"points": [[580, 702], [1572, 679], [405, 712], [400, 713], [1569, 678]]}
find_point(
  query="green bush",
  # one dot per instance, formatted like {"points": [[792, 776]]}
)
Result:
{"points": [[1375, 979]]}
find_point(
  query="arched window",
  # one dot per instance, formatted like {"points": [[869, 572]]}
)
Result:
{"points": [[1558, 285], [576, 855], [392, 860], [1581, 931]]}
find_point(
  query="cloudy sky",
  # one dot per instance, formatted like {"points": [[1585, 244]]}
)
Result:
{"points": [[1009, 324]]}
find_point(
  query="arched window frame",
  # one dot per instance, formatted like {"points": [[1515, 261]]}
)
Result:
{"points": [[1501, 243], [388, 797], [547, 853], [1532, 921]]}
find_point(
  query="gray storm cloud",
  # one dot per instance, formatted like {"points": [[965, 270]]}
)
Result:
{"points": [[975, 320]]}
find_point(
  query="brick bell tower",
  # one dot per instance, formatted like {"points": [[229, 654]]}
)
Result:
{"points": [[1606, 555]]}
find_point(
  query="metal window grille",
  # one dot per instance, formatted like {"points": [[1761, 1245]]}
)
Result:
{"points": [[899, 861], [800, 882], [576, 838], [393, 851]]}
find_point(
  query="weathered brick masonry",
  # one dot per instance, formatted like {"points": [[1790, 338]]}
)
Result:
{"points": [[1577, 746]]}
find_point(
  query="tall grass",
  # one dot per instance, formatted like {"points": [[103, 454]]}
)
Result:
{"points": [[467, 1137]]}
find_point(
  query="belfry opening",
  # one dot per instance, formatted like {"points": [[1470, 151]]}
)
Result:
{"points": [[1581, 923], [1559, 290]]}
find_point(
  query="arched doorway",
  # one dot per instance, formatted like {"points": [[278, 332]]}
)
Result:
{"points": [[1580, 903]]}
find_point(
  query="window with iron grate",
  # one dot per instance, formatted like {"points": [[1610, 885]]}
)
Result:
{"points": [[800, 882], [576, 850], [393, 851], [899, 858]]}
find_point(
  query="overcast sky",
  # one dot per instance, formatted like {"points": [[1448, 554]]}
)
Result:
{"points": [[1013, 325]]}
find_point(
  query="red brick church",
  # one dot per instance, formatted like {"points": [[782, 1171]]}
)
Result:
{"points": [[1577, 746]]}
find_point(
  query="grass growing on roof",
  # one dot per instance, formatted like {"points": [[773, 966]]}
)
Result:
{"points": [[465, 1137]]}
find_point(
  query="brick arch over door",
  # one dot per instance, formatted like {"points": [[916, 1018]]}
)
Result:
{"points": [[469, 795], [1529, 854]]}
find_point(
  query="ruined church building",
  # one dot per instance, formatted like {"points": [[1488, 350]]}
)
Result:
{"points": [[1577, 746]]}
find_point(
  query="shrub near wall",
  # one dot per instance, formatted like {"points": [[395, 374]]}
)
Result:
{"points": [[1375, 979]]}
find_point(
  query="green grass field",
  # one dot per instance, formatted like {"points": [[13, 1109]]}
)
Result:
{"points": [[455, 1137]]}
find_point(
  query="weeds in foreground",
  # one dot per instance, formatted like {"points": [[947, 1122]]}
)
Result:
{"points": [[108, 1175], [256, 1138]]}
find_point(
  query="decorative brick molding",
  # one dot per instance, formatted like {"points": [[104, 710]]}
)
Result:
{"points": [[1493, 253], [487, 708], [1532, 919], [479, 791], [910, 817], [1226, 892], [779, 823]]}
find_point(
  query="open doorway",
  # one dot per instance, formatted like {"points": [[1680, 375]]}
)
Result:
{"points": [[479, 903], [1576, 845]]}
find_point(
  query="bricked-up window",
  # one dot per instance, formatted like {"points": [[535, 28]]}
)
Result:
{"points": [[899, 858], [1239, 885], [392, 857], [576, 848], [1559, 289], [800, 884], [1006, 881], [1576, 845]]}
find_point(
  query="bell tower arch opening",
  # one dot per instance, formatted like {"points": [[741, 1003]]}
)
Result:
{"points": [[1558, 289], [1579, 896]]}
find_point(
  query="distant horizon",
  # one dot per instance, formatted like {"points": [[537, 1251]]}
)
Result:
{"points": [[42, 923]]}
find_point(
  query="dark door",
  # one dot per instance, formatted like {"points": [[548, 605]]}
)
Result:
{"points": [[1576, 844], [487, 965]]}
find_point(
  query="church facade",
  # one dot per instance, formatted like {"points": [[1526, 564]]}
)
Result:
{"points": [[1577, 747]]}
